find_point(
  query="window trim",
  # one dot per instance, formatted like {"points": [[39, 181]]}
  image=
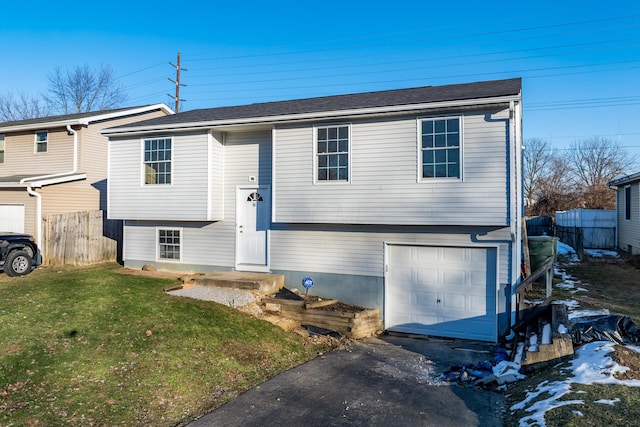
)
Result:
{"points": [[157, 244], [36, 142], [3, 148], [315, 154], [628, 202], [143, 182], [419, 149]]}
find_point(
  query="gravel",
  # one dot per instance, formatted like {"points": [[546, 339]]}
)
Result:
{"points": [[234, 298]]}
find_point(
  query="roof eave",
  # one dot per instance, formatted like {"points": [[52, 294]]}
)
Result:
{"points": [[371, 111], [628, 179], [84, 121], [44, 182]]}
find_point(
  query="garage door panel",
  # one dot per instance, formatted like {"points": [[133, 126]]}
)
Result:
{"points": [[426, 299], [427, 276], [12, 218], [454, 297]]}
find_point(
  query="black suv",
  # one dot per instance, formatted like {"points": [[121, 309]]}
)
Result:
{"points": [[18, 253]]}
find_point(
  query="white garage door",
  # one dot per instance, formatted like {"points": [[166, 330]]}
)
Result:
{"points": [[12, 218], [442, 291]]}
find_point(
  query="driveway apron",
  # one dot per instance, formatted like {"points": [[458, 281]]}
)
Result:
{"points": [[389, 381]]}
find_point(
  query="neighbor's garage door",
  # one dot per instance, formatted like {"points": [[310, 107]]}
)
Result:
{"points": [[12, 218], [442, 291]]}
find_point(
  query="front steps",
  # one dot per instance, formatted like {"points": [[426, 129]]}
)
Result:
{"points": [[263, 283]]}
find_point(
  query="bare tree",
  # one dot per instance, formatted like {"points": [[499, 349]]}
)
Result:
{"points": [[83, 90], [537, 157], [555, 191], [594, 162], [22, 107]]}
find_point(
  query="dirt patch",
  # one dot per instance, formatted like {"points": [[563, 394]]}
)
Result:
{"points": [[339, 306], [160, 274], [629, 358]]}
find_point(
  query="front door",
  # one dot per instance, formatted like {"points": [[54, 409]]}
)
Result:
{"points": [[253, 214]]}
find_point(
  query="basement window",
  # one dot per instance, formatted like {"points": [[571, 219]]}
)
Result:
{"points": [[169, 247]]}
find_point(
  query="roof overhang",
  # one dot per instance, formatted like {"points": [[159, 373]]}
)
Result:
{"points": [[628, 179], [84, 121], [37, 183], [322, 115]]}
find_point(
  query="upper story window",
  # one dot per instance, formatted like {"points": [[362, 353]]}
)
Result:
{"points": [[440, 147], [332, 151], [41, 141], [2, 148], [157, 161]]}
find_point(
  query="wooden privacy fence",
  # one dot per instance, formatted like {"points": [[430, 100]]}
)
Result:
{"points": [[80, 238]]}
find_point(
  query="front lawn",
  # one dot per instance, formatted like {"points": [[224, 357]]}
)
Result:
{"points": [[90, 346]]}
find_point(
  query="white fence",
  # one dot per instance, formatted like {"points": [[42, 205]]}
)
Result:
{"points": [[597, 227]]}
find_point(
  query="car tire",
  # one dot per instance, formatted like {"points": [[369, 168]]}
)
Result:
{"points": [[18, 263]]}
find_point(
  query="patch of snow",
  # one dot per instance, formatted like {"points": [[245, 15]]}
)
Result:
{"points": [[587, 313], [600, 253], [611, 402], [567, 251], [592, 365], [578, 413], [571, 303], [564, 249]]}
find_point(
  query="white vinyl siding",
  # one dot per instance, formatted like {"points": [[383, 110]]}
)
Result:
{"points": [[184, 200], [384, 188], [247, 155], [629, 230]]}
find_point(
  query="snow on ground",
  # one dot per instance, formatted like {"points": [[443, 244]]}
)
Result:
{"points": [[592, 364], [567, 252], [601, 253]]}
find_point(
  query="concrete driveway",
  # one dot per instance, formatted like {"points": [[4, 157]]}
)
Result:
{"points": [[386, 381]]}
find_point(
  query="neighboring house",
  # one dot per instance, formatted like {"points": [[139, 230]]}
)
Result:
{"points": [[405, 200], [58, 164], [628, 212]]}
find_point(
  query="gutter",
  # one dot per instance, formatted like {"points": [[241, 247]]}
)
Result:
{"points": [[38, 196]]}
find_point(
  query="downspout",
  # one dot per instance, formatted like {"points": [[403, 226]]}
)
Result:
{"points": [[38, 196]]}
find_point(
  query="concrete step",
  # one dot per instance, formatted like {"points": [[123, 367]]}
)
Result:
{"points": [[264, 283]]}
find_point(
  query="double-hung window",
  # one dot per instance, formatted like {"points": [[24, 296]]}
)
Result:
{"points": [[169, 244], [41, 141], [157, 161], [440, 146], [2, 148], [332, 151]]}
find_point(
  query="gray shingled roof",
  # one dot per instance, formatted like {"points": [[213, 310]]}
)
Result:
{"points": [[384, 98], [65, 117]]}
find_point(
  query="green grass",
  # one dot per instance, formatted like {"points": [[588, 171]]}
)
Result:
{"points": [[89, 346], [609, 285]]}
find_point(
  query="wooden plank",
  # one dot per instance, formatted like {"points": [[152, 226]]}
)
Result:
{"points": [[535, 275], [318, 304], [525, 244]]}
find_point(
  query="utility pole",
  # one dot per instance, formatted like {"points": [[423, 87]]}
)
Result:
{"points": [[177, 83]]}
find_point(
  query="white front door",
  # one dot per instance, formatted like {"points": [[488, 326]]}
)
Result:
{"points": [[253, 214]]}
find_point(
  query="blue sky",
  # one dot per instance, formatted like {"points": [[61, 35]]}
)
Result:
{"points": [[580, 61]]}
